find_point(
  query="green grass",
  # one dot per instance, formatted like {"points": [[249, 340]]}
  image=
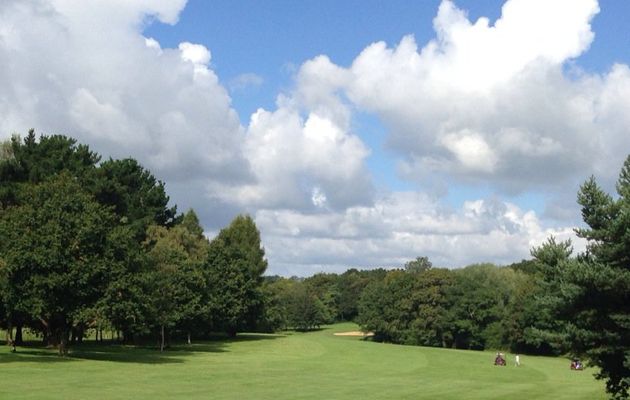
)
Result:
{"points": [[315, 365]]}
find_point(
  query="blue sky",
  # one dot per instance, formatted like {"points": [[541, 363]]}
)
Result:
{"points": [[272, 38], [356, 133]]}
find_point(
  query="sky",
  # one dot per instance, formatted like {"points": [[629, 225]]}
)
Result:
{"points": [[356, 134]]}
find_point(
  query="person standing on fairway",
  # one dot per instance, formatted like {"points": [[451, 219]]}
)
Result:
{"points": [[517, 360]]}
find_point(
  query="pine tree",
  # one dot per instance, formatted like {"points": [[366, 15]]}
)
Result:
{"points": [[596, 286]]}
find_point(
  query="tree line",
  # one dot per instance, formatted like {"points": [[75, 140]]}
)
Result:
{"points": [[94, 246]]}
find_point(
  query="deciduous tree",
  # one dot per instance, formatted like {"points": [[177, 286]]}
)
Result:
{"points": [[234, 272], [56, 252]]}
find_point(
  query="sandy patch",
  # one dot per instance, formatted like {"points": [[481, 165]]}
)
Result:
{"points": [[355, 333]]}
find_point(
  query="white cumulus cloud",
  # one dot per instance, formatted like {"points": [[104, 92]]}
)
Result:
{"points": [[500, 104], [84, 69], [400, 227], [496, 103]]}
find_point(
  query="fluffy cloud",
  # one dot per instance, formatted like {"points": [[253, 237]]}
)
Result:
{"points": [[398, 228], [301, 163], [498, 104], [86, 70], [304, 155], [492, 103]]}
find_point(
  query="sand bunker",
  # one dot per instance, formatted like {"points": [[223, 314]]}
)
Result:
{"points": [[355, 333]]}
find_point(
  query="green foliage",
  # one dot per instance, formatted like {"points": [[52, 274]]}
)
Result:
{"points": [[138, 265], [233, 271], [324, 288], [55, 249], [38, 160], [305, 311], [313, 301], [31, 162], [275, 315], [549, 257], [6, 151], [420, 264], [589, 296], [478, 306], [524, 266], [350, 285], [595, 288], [226, 283], [136, 196], [407, 308], [175, 280]]}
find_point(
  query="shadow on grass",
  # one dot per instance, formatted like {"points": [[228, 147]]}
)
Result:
{"points": [[32, 354], [114, 352], [309, 330]]}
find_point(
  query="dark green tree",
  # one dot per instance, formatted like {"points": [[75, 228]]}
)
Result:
{"points": [[407, 308], [30, 161], [305, 310], [477, 306], [595, 288], [56, 249], [374, 306], [175, 279], [4, 318], [420, 264], [532, 324], [350, 286], [139, 200], [522, 319], [234, 273], [275, 314], [325, 288], [136, 196]]}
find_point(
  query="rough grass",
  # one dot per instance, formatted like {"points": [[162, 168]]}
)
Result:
{"points": [[316, 365]]}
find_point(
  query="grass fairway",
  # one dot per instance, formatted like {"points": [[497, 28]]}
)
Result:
{"points": [[314, 365]]}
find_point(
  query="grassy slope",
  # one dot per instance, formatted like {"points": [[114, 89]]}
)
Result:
{"points": [[293, 366]]}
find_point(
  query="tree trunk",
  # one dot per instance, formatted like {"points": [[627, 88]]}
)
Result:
{"points": [[63, 341], [162, 342], [79, 334], [63, 346], [9, 334], [46, 333], [19, 340], [189, 342]]}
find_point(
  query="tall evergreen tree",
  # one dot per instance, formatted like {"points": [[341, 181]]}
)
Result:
{"points": [[543, 326], [597, 285], [590, 294], [138, 198]]}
